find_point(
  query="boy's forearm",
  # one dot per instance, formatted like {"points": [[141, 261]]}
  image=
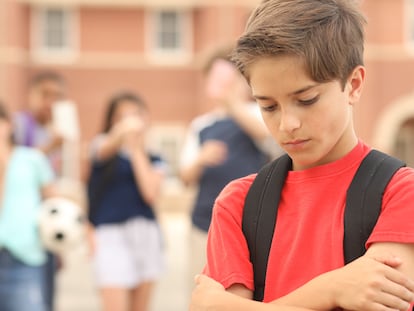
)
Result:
{"points": [[108, 147], [241, 300], [191, 174], [252, 125], [233, 302], [367, 282], [209, 295]]}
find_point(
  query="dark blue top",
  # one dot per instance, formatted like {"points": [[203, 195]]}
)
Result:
{"points": [[243, 158], [113, 193]]}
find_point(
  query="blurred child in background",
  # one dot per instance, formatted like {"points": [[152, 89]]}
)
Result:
{"points": [[123, 186], [226, 143], [33, 128], [25, 178]]}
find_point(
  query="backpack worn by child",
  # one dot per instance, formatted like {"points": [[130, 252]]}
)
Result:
{"points": [[363, 206]]}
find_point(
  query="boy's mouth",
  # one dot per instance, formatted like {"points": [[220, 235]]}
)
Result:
{"points": [[297, 143]]}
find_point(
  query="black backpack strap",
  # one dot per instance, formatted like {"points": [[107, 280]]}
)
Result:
{"points": [[259, 216], [364, 200]]}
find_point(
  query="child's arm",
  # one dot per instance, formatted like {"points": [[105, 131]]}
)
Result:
{"points": [[210, 295], [147, 177], [49, 190], [405, 251], [211, 153], [110, 143], [368, 283], [54, 143], [251, 124], [237, 104], [365, 284]]}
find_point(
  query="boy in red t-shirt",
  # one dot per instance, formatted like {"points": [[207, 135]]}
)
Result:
{"points": [[303, 60]]}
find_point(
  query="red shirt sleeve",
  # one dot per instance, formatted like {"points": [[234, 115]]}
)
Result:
{"points": [[395, 223], [228, 259]]}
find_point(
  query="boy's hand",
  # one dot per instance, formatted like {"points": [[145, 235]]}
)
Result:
{"points": [[55, 142], [372, 284], [206, 294]]}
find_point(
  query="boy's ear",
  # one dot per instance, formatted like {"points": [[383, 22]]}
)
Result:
{"points": [[355, 84]]}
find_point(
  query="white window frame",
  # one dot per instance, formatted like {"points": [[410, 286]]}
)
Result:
{"points": [[167, 140], [43, 53], [409, 24], [155, 53]]}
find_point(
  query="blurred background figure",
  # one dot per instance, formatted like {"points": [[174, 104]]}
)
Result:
{"points": [[25, 179], [34, 128], [223, 144], [34, 125], [124, 183]]}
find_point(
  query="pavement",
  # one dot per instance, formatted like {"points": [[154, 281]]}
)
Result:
{"points": [[76, 290]]}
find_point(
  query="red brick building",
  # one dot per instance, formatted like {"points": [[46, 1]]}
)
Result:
{"points": [[157, 47]]}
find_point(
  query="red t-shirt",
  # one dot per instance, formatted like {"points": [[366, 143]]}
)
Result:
{"points": [[308, 238]]}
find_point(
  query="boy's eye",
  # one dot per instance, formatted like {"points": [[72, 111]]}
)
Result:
{"points": [[309, 101], [268, 108]]}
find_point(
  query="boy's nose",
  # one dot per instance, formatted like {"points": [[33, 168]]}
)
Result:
{"points": [[289, 122]]}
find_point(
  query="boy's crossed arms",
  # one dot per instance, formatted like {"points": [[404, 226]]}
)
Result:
{"points": [[374, 282]]}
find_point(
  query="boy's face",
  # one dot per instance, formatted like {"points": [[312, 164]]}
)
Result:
{"points": [[41, 98], [221, 79], [311, 121]]}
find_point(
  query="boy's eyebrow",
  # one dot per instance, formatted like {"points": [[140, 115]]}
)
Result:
{"points": [[261, 97], [297, 92], [304, 89]]}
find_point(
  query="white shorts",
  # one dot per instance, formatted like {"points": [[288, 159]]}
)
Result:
{"points": [[128, 254]]}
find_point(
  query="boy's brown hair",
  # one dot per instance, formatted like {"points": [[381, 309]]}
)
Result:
{"points": [[45, 76], [328, 35]]}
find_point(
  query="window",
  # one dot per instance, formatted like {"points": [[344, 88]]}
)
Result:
{"points": [[169, 34], [409, 14], [53, 33], [167, 140], [55, 29]]}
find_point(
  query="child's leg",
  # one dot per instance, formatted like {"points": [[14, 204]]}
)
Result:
{"points": [[49, 269], [115, 299], [198, 244], [20, 285], [141, 296], [114, 270], [146, 248]]}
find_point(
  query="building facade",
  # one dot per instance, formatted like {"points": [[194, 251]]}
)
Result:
{"points": [[157, 48]]}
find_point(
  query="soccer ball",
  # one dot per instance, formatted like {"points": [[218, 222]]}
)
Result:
{"points": [[61, 225]]}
